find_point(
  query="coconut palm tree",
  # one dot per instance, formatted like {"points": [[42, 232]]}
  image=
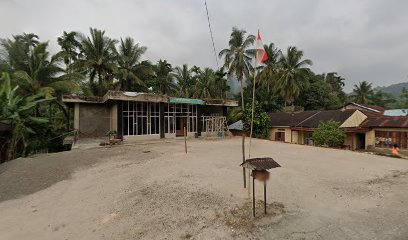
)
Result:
{"points": [[34, 70], [129, 67], [70, 46], [185, 80], [163, 81], [45, 75], [18, 50], [293, 73], [363, 92], [237, 57], [98, 61], [204, 87], [220, 86], [267, 76]]}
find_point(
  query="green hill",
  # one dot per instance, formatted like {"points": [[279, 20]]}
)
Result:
{"points": [[394, 89]]}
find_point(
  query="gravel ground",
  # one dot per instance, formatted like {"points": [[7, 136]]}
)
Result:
{"points": [[156, 191]]}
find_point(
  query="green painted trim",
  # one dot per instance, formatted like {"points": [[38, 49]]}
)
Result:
{"points": [[187, 101]]}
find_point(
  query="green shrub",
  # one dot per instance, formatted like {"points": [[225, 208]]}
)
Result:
{"points": [[261, 127], [329, 134]]}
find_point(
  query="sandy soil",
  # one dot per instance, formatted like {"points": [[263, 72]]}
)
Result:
{"points": [[155, 191]]}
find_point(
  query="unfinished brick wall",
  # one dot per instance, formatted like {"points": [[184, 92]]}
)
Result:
{"points": [[94, 120]]}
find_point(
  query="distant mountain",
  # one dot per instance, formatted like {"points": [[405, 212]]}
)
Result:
{"points": [[394, 89]]}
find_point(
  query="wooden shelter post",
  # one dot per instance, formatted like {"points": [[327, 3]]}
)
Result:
{"points": [[265, 196], [253, 193]]}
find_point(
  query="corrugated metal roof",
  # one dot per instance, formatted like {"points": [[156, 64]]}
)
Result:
{"points": [[309, 119], [282, 119], [371, 108], [264, 163], [238, 125], [323, 116], [396, 112], [386, 121]]}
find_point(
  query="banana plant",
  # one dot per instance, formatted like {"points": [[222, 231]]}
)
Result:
{"points": [[18, 113]]}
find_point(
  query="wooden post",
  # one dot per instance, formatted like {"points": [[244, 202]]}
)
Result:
{"points": [[253, 193], [243, 158], [265, 196], [185, 139]]}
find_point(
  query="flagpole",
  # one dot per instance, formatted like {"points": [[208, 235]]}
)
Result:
{"points": [[253, 103], [252, 122]]}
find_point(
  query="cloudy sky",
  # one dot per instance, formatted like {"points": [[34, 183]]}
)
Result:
{"points": [[361, 40]]}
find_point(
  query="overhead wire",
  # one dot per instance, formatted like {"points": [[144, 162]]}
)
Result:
{"points": [[211, 33]]}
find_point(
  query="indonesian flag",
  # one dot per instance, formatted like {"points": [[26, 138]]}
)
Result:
{"points": [[261, 55]]}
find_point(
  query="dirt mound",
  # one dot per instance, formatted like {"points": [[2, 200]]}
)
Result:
{"points": [[242, 217]]}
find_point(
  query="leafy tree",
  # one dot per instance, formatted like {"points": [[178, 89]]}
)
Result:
{"points": [[237, 57], [129, 68], [363, 92], [98, 61], [318, 94], [261, 125], [382, 99], [16, 112], [336, 84], [292, 76], [268, 101], [329, 134], [404, 98]]}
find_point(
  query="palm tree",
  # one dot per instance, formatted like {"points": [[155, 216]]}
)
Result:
{"points": [[185, 80], [204, 87], [44, 75], [18, 50], [16, 112], [99, 60], [268, 74], [220, 86], [36, 73], [129, 67], [34, 70], [237, 57], [293, 73], [70, 46], [163, 81], [237, 62], [363, 92]]}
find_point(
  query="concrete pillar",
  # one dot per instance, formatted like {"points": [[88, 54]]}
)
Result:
{"points": [[370, 139], [224, 111], [161, 113], [119, 114], [76, 116], [114, 117], [199, 123]]}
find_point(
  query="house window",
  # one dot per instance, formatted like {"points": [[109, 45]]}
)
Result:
{"points": [[178, 116], [388, 138], [140, 118]]}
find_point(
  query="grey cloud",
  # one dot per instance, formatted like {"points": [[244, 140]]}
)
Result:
{"points": [[362, 40]]}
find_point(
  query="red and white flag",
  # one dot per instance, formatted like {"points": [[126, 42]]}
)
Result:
{"points": [[261, 55]]}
